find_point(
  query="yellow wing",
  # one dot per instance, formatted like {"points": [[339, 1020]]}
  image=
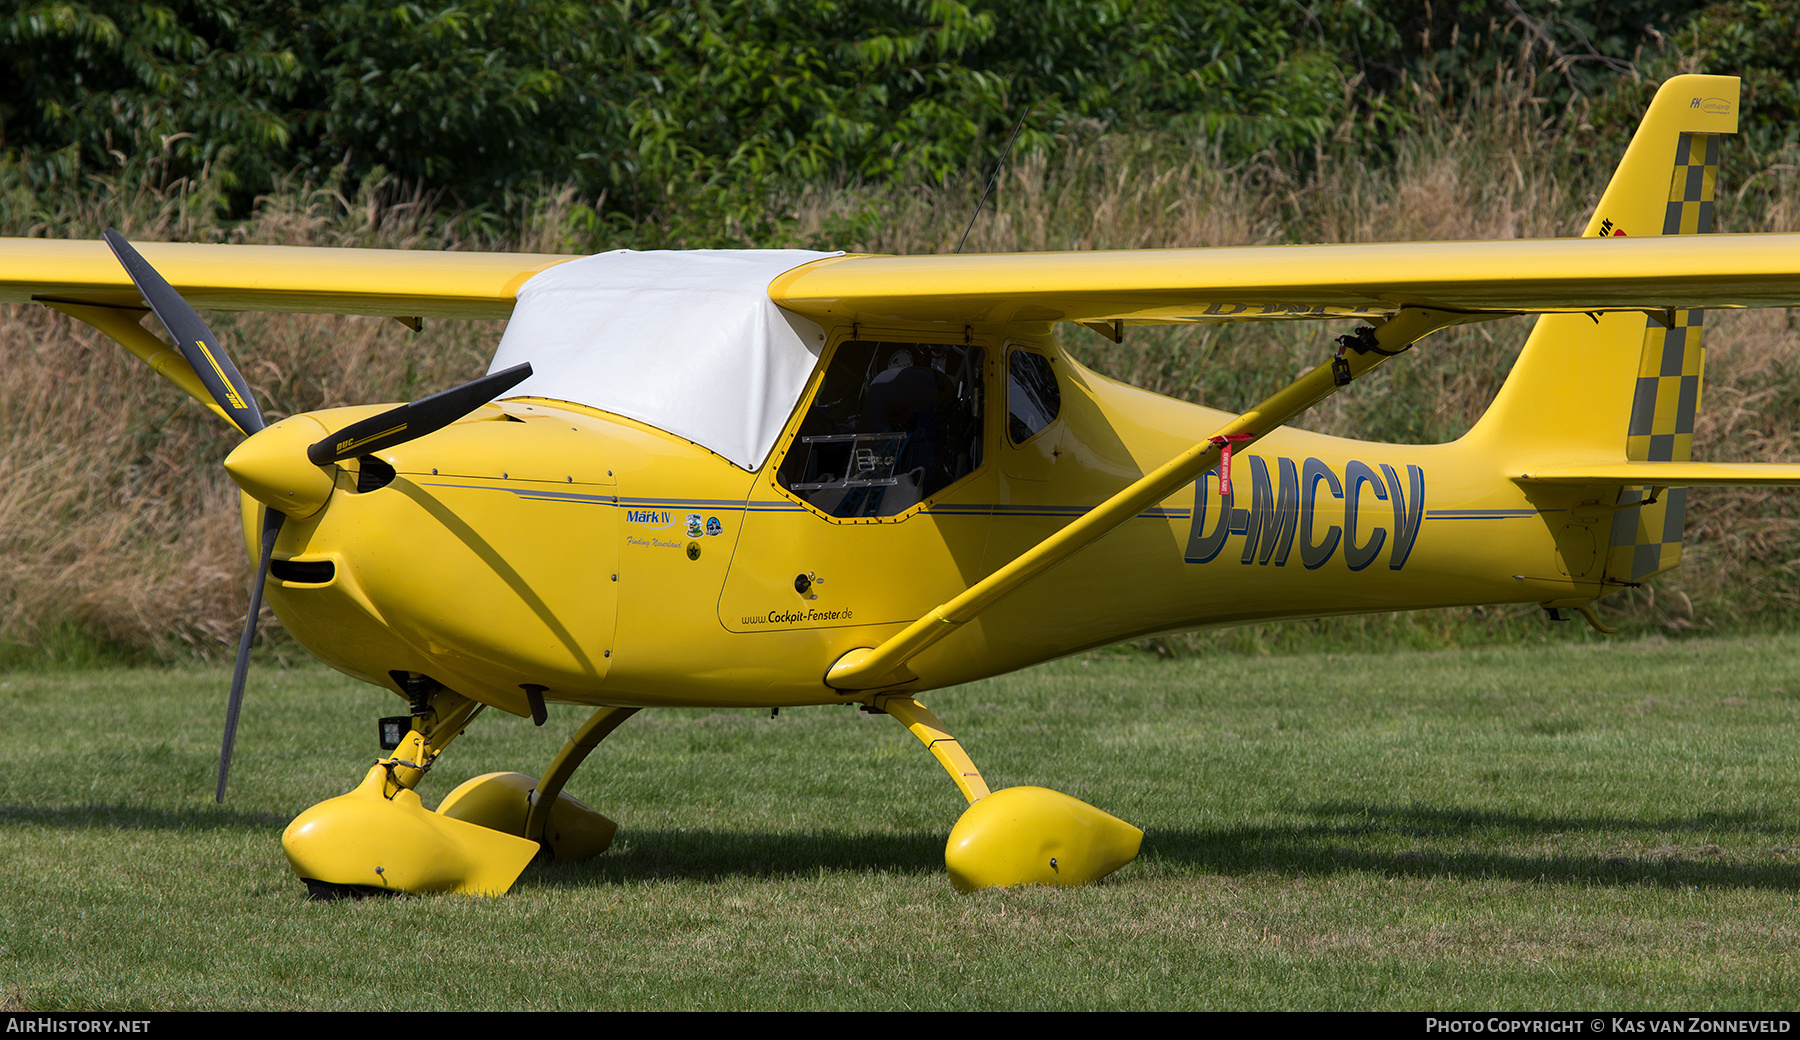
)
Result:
{"points": [[383, 282], [1322, 281], [86, 281], [1135, 287]]}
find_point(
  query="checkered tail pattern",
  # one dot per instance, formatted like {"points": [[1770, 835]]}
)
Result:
{"points": [[1647, 540]]}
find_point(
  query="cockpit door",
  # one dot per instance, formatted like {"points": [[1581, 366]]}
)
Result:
{"points": [[877, 505]]}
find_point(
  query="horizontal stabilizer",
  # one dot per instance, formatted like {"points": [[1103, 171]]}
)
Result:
{"points": [[1670, 474]]}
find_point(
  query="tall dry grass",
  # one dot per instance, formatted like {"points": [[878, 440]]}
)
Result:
{"points": [[117, 523]]}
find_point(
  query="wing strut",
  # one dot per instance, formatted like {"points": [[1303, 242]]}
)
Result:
{"points": [[886, 665], [124, 326]]}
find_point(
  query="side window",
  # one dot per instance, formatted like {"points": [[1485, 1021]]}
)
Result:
{"points": [[891, 424], [1032, 396]]}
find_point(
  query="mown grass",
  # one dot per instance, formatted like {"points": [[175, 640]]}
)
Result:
{"points": [[1560, 826]]}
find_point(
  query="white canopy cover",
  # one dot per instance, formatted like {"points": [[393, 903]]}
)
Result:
{"points": [[685, 341]]}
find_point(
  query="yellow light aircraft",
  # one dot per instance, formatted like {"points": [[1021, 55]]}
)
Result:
{"points": [[776, 478]]}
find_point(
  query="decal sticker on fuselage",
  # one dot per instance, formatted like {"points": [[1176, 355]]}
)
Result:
{"points": [[796, 616], [650, 543], [1381, 508]]}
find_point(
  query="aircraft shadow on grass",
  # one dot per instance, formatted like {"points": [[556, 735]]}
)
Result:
{"points": [[1645, 850], [136, 818], [1320, 848]]}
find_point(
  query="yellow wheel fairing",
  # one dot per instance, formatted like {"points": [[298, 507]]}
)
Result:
{"points": [[395, 844], [1036, 836], [501, 802]]}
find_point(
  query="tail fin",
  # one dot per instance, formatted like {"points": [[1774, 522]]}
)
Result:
{"points": [[1622, 386]]}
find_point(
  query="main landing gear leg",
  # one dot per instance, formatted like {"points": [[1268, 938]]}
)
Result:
{"points": [[553, 819], [537, 809], [1017, 835]]}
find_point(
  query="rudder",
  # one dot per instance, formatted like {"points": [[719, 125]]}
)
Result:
{"points": [[1622, 385]]}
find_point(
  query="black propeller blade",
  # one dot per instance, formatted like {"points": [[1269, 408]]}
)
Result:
{"points": [[426, 415], [240, 671], [195, 341], [229, 391], [222, 379]]}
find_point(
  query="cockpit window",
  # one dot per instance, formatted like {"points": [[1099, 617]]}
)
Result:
{"points": [[891, 425], [1032, 396]]}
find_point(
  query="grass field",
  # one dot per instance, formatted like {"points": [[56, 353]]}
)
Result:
{"points": [[1558, 826]]}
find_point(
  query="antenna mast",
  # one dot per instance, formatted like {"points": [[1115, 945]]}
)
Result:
{"points": [[994, 179]]}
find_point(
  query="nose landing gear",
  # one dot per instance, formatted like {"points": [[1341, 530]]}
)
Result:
{"points": [[380, 837]]}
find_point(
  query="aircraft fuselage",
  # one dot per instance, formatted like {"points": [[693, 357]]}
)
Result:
{"points": [[545, 543]]}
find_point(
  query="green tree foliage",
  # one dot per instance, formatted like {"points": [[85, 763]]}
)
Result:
{"points": [[472, 97], [652, 104], [83, 82], [678, 121]]}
